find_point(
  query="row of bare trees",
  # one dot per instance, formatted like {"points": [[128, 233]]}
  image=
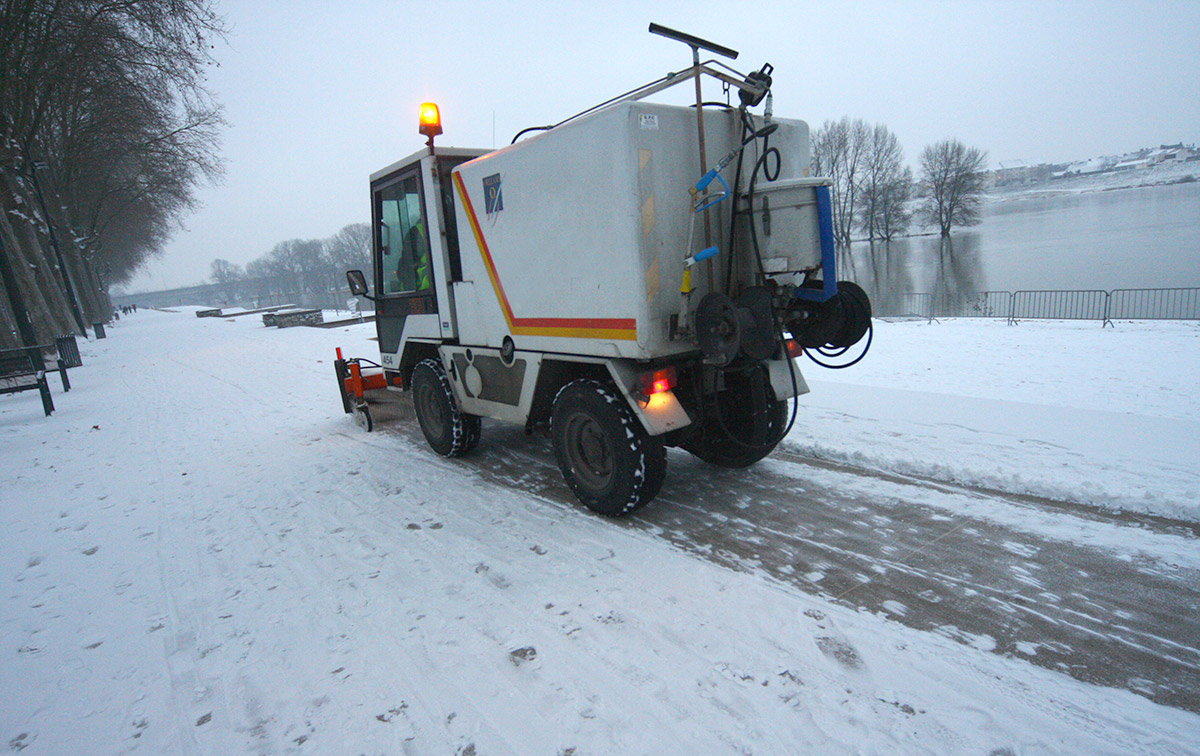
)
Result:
{"points": [[873, 191], [303, 271], [106, 130]]}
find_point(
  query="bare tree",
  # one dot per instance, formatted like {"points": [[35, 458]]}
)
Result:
{"points": [[304, 271], [263, 282], [951, 184], [895, 213], [839, 149], [228, 276], [309, 256], [349, 249], [104, 117], [885, 186]]}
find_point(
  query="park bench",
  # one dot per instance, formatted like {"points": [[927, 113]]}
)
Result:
{"points": [[64, 352], [68, 354], [20, 370]]}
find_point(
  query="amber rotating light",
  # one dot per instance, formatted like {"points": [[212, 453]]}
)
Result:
{"points": [[431, 121]]}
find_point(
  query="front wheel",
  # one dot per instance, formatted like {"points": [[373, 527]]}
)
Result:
{"points": [[449, 431], [609, 461]]}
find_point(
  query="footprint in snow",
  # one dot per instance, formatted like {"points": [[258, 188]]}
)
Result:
{"points": [[497, 580], [21, 742], [840, 651], [519, 656], [390, 714]]}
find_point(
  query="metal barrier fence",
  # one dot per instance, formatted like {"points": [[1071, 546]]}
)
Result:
{"points": [[982, 304], [975, 304], [1060, 305], [1080, 304], [1154, 304], [914, 305]]}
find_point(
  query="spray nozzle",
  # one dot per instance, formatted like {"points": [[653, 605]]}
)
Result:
{"points": [[756, 86]]}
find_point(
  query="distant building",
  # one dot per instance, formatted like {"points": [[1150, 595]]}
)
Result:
{"points": [[1089, 167], [1174, 153], [1133, 164], [1018, 173]]}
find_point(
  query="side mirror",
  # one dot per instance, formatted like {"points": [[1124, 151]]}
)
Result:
{"points": [[358, 283]]}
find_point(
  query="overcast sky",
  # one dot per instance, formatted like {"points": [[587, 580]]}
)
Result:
{"points": [[319, 94]]}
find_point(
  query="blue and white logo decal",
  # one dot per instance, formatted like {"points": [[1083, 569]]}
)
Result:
{"points": [[493, 200]]}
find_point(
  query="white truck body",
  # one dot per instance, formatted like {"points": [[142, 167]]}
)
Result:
{"points": [[586, 253], [601, 278]]}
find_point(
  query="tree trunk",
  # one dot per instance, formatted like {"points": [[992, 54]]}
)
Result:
{"points": [[32, 270]]}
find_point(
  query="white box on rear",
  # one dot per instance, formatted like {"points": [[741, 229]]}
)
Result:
{"points": [[573, 240]]}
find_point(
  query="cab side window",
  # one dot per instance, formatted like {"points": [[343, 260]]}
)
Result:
{"points": [[403, 241]]}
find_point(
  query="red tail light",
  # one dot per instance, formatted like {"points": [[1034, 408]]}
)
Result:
{"points": [[793, 348], [658, 381]]}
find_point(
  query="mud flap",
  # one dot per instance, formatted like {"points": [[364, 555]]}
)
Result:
{"points": [[781, 379], [661, 413]]}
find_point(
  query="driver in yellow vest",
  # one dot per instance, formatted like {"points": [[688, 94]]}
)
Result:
{"points": [[420, 257]]}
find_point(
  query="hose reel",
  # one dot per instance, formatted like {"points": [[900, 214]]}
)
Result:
{"points": [[726, 329], [840, 321]]}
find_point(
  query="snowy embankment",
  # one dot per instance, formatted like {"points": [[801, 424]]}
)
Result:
{"points": [[1156, 175], [1064, 410], [205, 556]]}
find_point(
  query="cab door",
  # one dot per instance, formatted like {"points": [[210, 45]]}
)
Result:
{"points": [[404, 274]]}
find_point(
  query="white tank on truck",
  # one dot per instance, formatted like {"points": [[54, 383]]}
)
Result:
{"points": [[638, 276]]}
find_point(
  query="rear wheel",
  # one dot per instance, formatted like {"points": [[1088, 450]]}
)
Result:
{"points": [[449, 431], [742, 423], [609, 461]]}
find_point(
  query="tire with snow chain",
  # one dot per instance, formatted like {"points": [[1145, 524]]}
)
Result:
{"points": [[449, 431], [611, 464], [742, 425]]}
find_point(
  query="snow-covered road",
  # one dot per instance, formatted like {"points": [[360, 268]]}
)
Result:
{"points": [[1108, 598], [204, 556]]}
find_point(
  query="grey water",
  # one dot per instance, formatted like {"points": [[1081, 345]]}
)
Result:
{"points": [[1144, 237]]}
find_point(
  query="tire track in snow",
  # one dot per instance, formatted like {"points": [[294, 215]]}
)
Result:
{"points": [[1113, 617]]}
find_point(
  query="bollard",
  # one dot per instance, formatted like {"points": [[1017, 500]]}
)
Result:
{"points": [[99, 330]]}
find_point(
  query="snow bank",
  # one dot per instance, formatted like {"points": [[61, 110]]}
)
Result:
{"points": [[1064, 410]]}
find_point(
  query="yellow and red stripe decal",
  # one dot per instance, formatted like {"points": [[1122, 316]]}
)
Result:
{"points": [[624, 329]]}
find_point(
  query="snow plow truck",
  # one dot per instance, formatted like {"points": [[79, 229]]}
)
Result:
{"points": [[638, 276]]}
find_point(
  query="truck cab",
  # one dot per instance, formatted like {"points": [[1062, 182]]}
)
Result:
{"points": [[415, 251]]}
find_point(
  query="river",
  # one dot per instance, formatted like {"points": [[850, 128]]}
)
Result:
{"points": [[1145, 237]]}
